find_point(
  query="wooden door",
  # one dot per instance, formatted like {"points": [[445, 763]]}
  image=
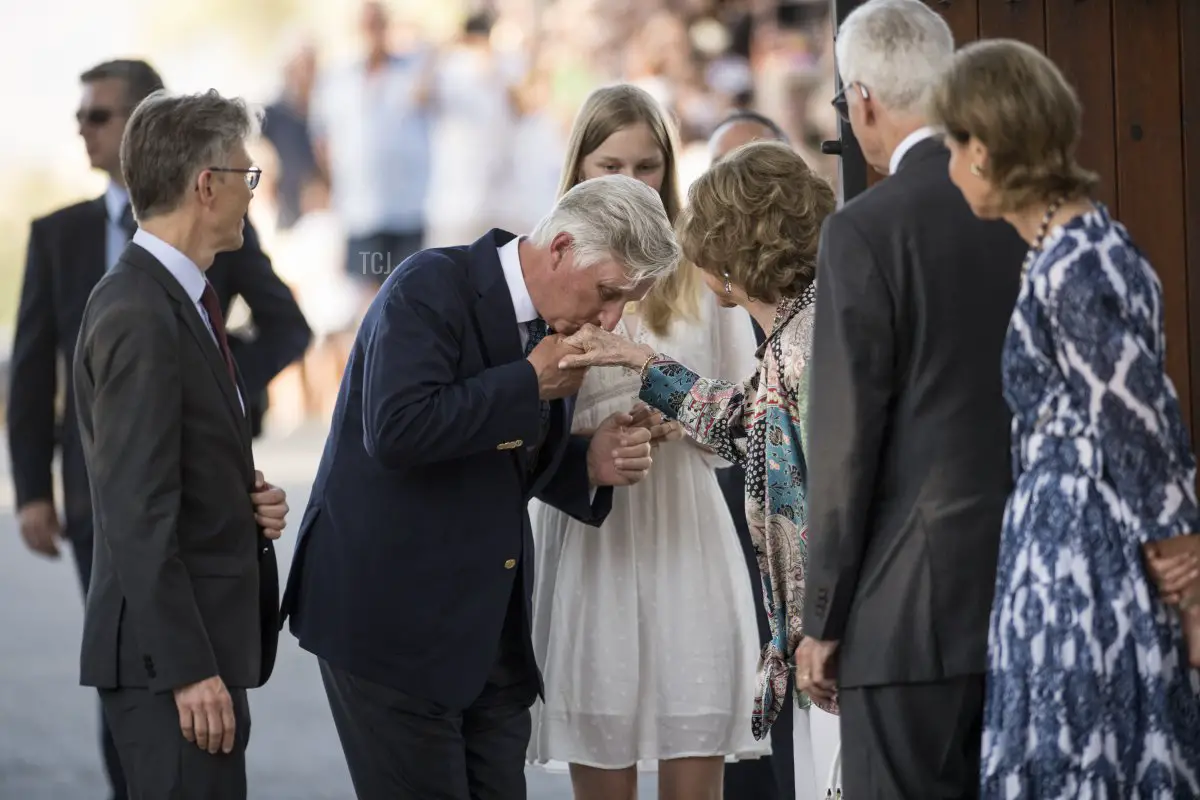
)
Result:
{"points": [[1136, 67]]}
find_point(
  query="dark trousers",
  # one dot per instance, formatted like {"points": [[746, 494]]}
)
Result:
{"points": [[82, 542], [159, 763], [400, 747], [373, 257], [919, 741], [773, 777]]}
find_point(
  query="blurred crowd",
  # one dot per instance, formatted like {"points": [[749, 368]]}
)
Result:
{"points": [[418, 142]]}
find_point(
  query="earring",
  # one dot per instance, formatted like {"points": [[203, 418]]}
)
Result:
{"points": [[977, 170], [728, 285]]}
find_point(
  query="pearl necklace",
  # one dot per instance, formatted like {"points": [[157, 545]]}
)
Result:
{"points": [[1032, 255]]}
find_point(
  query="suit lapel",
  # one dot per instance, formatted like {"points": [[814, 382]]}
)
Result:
{"points": [[243, 416], [212, 354], [494, 315], [494, 306], [195, 324]]}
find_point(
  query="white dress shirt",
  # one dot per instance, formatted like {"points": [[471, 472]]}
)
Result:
{"points": [[190, 277], [510, 262], [115, 200], [910, 141]]}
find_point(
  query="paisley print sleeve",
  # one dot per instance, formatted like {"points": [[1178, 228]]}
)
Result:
{"points": [[713, 412], [1106, 303]]}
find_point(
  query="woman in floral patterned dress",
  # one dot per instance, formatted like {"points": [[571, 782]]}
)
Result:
{"points": [[1090, 693], [752, 224]]}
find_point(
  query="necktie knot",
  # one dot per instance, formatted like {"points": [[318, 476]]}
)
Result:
{"points": [[536, 330], [208, 299]]}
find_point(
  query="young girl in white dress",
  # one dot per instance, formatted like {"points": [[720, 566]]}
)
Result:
{"points": [[645, 629]]}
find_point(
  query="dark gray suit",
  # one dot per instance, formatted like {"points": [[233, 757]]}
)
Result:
{"points": [[66, 259], [184, 586], [909, 473]]}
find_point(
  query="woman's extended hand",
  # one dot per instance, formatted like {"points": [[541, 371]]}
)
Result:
{"points": [[603, 349]]}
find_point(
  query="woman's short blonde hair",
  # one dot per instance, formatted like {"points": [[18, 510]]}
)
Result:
{"points": [[1017, 103], [754, 219]]}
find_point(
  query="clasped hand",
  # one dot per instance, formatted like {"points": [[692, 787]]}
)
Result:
{"points": [[554, 382], [595, 347], [816, 669], [621, 449], [1174, 566], [661, 429], [619, 454]]}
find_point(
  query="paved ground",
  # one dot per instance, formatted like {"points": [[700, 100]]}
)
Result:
{"points": [[48, 746]]}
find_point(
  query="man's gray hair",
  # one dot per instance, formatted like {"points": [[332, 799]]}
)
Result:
{"points": [[170, 138], [614, 217], [896, 49]]}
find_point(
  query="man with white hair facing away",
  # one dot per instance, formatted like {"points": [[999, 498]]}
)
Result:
{"points": [[908, 449], [413, 571]]}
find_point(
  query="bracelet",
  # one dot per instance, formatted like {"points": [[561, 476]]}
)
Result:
{"points": [[646, 365]]}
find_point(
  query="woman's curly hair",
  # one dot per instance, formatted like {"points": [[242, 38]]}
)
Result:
{"points": [[754, 219]]}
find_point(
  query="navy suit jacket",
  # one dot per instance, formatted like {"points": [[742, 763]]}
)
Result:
{"points": [[416, 530]]}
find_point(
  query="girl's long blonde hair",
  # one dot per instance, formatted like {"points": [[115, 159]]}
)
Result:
{"points": [[606, 111]]}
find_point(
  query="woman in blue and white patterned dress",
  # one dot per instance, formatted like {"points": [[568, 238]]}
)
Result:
{"points": [[1090, 693]]}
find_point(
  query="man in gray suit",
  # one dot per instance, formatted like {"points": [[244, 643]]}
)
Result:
{"points": [[908, 450], [182, 614]]}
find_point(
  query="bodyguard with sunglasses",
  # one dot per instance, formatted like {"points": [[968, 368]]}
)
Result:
{"points": [[69, 251]]}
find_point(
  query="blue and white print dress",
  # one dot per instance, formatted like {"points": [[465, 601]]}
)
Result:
{"points": [[1089, 691]]}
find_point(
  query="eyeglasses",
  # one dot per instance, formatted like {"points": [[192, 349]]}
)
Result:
{"points": [[96, 117], [252, 174], [842, 105]]}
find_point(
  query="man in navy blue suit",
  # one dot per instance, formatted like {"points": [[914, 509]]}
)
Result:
{"points": [[413, 570]]}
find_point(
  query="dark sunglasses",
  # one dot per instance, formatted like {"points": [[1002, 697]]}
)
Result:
{"points": [[252, 174], [95, 117]]}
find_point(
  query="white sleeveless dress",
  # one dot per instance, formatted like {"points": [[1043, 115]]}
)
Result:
{"points": [[644, 628]]}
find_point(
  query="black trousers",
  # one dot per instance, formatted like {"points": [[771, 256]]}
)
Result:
{"points": [[773, 777], [917, 741], [159, 763], [82, 542], [400, 747]]}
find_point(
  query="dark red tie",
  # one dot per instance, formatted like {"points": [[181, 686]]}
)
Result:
{"points": [[217, 320]]}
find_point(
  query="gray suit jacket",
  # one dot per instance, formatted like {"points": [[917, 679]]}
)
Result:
{"points": [[184, 586], [909, 457]]}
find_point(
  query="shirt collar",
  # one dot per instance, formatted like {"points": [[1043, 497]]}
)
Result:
{"points": [[115, 200], [910, 141], [190, 276], [510, 262]]}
